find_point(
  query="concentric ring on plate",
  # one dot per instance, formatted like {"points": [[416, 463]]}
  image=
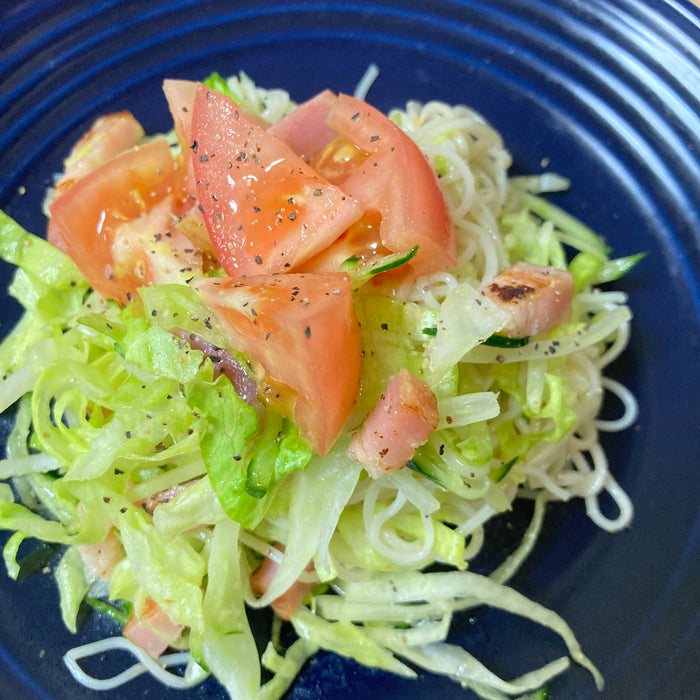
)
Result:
{"points": [[607, 93]]}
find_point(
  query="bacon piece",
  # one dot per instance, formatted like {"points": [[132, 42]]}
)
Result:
{"points": [[286, 605], [537, 298], [403, 419], [153, 630], [304, 129], [101, 558]]}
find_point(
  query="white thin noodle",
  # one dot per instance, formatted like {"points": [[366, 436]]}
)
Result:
{"points": [[385, 539], [366, 82], [145, 664], [622, 501], [629, 403], [578, 466]]}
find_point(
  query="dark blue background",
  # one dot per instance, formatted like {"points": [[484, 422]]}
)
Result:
{"points": [[607, 93]]}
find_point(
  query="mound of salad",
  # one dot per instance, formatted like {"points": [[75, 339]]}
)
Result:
{"points": [[298, 357]]}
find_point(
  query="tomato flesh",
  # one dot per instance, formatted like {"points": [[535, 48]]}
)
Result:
{"points": [[397, 180], [361, 241], [107, 138], [265, 208], [89, 215], [303, 330]]}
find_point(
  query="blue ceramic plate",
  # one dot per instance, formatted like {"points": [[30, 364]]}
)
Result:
{"points": [[603, 92]]}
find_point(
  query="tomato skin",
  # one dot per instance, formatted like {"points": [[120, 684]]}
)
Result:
{"points": [[89, 214], [265, 208], [303, 330], [180, 96]]}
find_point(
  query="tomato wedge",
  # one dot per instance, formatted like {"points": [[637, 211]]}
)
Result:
{"points": [[90, 215], [360, 149], [107, 138], [303, 330], [265, 208], [397, 180]]}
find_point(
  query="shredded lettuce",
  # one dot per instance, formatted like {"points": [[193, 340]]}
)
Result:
{"points": [[230, 426], [466, 319], [226, 640], [312, 521], [348, 640], [234, 451], [50, 288], [73, 586], [46, 281], [570, 230], [589, 269], [413, 587], [171, 572], [285, 668], [195, 506], [392, 338]]}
